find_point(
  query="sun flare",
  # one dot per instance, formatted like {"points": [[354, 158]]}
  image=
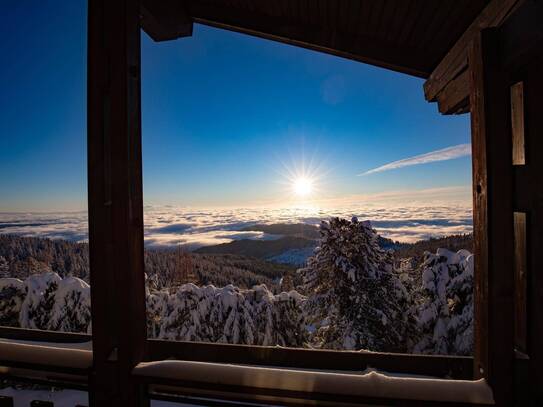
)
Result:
{"points": [[303, 179], [302, 186]]}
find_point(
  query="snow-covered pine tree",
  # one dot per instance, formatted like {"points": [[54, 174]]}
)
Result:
{"points": [[445, 304], [71, 310], [355, 298], [12, 295], [228, 315], [4, 268], [39, 301], [157, 309], [46, 301]]}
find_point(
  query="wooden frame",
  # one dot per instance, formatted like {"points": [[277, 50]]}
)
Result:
{"points": [[115, 200], [493, 216], [487, 61], [448, 84]]}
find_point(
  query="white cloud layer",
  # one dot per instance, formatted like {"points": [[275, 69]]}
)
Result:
{"points": [[444, 154], [406, 219]]}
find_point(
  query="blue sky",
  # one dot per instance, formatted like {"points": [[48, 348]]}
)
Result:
{"points": [[225, 118]]}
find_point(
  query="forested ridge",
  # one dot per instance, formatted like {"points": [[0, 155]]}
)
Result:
{"points": [[352, 294]]}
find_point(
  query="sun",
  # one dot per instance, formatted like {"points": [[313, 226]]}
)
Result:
{"points": [[302, 186], [303, 180]]}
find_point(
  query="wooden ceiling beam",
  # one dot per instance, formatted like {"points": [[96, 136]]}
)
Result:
{"points": [[454, 99], [330, 40], [165, 19], [455, 61]]}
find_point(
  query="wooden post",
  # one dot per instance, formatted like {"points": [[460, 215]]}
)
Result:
{"points": [[493, 216], [530, 186], [115, 200]]}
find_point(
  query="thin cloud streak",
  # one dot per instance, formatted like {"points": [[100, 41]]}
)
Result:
{"points": [[444, 154]]}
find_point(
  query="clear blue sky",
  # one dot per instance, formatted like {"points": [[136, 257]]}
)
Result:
{"points": [[223, 115]]}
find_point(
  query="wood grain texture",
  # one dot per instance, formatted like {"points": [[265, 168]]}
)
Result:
{"points": [[454, 98], [493, 217], [533, 184], [517, 123], [115, 200], [520, 271], [458, 367], [456, 59], [409, 36]]}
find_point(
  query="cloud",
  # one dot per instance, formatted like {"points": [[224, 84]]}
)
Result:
{"points": [[444, 154], [401, 215]]}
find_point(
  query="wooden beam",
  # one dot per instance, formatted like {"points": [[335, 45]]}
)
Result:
{"points": [[523, 35], [456, 59], [521, 314], [492, 216], [457, 367], [294, 32], [454, 99], [165, 19], [531, 175], [517, 123], [37, 335], [240, 394], [115, 201]]}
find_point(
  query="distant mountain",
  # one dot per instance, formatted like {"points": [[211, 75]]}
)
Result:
{"points": [[306, 231], [261, 249], [294, 257], [416, 250], [21, 257]]}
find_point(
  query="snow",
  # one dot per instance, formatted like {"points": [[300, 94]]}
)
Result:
{"points": [[11, 283], [71, 310], [228, 315], [295, 257], [72, 355], [445, 314], [12, 294], [369, 383], [352, 297], [66, 398], [351, 283], [61, 398], [36, 307]]}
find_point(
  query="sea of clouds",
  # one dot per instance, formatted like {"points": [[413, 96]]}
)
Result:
{"points": [[170, 226]]}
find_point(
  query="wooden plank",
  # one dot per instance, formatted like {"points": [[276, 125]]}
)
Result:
{"points": [[534, 184], [456, 59], [453, 26], [517, 123], [247, 394], [428, 11], [492, 216], [115, 200], [523, 35], [81, 374], [42, 336], [361, 48], [441, 15], [401, 14], [454, 98], [432, 365], [520, 271], [165, 20]]}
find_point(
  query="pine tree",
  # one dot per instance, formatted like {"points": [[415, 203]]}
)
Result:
{"points": [[71, 310], [39, 301], [445, 303], [355, 299], [4, 268], [230, 315], [12, 295]]}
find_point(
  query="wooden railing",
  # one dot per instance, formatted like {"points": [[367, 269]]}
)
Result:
{"points": [[453, 367]]}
